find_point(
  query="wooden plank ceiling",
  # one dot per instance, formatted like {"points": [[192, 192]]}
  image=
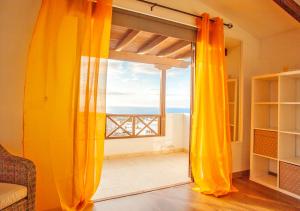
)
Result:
{"points": [[145, 47]]}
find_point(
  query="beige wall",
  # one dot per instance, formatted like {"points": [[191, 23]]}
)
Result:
{"points": [[233, 62], [281, 51], [17, 19], [15, 41]]}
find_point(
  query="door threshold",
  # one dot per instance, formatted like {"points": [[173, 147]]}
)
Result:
{"points": [[141, 192]]}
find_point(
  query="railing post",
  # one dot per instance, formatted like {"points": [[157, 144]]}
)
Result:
{"points": [[133, 126]]}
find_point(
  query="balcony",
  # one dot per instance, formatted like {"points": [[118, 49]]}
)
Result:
{"points": [[138, 158], [135, 134]]}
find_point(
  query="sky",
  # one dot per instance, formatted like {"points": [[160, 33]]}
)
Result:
{"points": [[134, 84]]}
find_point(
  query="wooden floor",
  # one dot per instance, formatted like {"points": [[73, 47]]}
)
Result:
{"points": [[251, 196]]}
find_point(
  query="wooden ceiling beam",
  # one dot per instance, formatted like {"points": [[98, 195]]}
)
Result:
{"points": [[184, 55], [173, 49], [291, 7], [151, 44], [127, 39], [148, 59]]}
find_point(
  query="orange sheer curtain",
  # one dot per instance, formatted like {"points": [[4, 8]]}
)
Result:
{"points": [[64, 104], [210, 144]]}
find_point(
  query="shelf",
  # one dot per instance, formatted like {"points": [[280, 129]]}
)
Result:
{"points": [[267, 77], [264, 156], [265, 116], [266, 103], [294, 132], [265, 89], [289, 148], [267, 180], [264, 170], [276, 108], [291, 73], [232, 80], [290, 88], [292, 160], [290, 103], [268, 129], [232, 92], [290, 118], [233, 109]]}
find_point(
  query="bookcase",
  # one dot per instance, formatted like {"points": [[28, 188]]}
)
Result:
{"points": [[232, 85], [275, 132]]}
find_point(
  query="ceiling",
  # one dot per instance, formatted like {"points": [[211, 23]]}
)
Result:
{"points": [[262, 18], [146, 47]]}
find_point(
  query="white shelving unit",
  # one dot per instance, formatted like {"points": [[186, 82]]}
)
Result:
{"points": [[233, 106], [276, 111]]}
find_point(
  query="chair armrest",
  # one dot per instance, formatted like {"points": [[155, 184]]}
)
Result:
{"points": [[21, 171]]}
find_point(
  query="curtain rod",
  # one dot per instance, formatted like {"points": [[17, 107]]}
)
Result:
{"points": [[153, 4]]}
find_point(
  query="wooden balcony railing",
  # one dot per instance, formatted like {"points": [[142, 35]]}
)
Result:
{"points": [[132, 126]]}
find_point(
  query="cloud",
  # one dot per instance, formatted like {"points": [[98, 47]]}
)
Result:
{"points": [[138, 84], [153, 91], [127, 72], [177, 72], [140, 94], [140, 68], [118, 93]]}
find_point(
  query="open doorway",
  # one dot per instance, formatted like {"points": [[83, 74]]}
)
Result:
{"points": [[148, 113], [149, 83]]}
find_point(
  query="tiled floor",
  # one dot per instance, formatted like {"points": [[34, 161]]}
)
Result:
{"points": [[136, 174]]}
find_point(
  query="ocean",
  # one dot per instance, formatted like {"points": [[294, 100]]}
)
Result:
{"points": [[143, 110]]}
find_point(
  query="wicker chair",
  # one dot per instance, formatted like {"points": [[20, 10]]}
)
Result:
{"points": [[20, 171]]}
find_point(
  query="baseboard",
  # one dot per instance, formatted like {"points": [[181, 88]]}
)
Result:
{"points": [[240, 174], [149, 153]]}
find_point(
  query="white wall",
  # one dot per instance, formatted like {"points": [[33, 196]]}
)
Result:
{"points": [[175, 138], [17, 19], [186, 132], [280, 52], [233, 62]]}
